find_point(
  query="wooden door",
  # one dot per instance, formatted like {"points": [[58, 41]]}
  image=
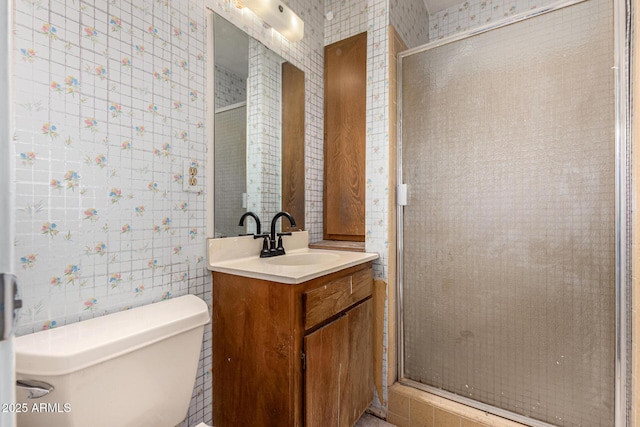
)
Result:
{"points": [[293, 145], [326, 375], [345, 71], [360, 359]]}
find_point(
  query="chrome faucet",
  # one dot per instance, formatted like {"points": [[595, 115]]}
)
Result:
{"points": [[255, 217], [269, 246]]}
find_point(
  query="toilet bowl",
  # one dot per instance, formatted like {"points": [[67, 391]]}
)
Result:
{"points": [[133, 368]]}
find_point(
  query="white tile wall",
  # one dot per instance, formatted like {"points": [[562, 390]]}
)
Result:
{"points": [[110, 102], [377, 159], [410, 18], [264, 123], [347, 19], [474, 13], [230, 88], [109, 106]]}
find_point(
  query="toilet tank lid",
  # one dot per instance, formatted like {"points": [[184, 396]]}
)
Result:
{"points": [[72, 347]]}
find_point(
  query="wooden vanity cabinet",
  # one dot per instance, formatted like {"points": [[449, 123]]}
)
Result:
{"points": [[292, 355]]}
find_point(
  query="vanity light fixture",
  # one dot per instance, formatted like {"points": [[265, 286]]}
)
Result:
{"points": [[278, 16]]}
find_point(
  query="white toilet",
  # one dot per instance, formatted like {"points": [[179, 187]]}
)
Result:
{"points": [[133, 368]]}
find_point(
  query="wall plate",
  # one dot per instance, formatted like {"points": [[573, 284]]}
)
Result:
{"points": [[191, 178]]}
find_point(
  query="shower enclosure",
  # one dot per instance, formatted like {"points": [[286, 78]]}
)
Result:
{"points": [[512, 244]]}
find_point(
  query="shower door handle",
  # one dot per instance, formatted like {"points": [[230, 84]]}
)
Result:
{"points": [[9, 304], [402, 195]]}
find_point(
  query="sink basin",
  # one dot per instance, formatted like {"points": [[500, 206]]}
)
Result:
{"points": [[239, 256], [302, 259]]}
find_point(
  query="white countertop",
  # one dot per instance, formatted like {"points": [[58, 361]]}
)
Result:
{"points": [[240, 256]]}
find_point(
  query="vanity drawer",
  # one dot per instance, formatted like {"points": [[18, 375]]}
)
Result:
{"points": [[330, 299]]}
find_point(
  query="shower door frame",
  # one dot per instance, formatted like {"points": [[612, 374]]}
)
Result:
{"points": [[623, 197], [7, 205]]}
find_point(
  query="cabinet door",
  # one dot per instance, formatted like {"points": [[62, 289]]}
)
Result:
{"points": [[326, 375], [360, 359], [344, 138]]}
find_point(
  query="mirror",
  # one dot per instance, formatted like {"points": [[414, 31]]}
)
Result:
{"points": [[258, 133]]}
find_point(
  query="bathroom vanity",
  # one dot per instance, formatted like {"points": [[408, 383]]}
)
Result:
{"points": [[292, 338]]}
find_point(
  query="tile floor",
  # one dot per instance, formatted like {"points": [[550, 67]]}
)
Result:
{"points": [[368, 420]]}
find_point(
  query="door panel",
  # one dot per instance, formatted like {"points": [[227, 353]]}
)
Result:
{"points": [[326, 375], [360, 359], [509, 237], [344, 138]]}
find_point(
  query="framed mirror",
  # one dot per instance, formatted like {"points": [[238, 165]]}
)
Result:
{"points": [[258, 133]]}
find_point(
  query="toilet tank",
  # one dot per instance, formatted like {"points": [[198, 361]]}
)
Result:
{"points": [[133, 368]]}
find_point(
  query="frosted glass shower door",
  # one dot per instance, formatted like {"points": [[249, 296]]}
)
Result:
{"points": [[508, 150]]}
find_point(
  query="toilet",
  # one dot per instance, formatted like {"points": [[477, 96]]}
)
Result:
{"points": [[134, 368]]}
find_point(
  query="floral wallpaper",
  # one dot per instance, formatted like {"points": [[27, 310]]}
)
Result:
{"points": [[410, 18], [109, 108], [475, 13]]}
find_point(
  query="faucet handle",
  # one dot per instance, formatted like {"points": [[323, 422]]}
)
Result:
{"points": [[264, 253], [280, 247]]}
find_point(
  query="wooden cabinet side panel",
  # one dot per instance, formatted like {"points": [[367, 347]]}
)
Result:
{"points": [[326, 375], [344, 142], [293, 144], [253, 351], [360, 359]]}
